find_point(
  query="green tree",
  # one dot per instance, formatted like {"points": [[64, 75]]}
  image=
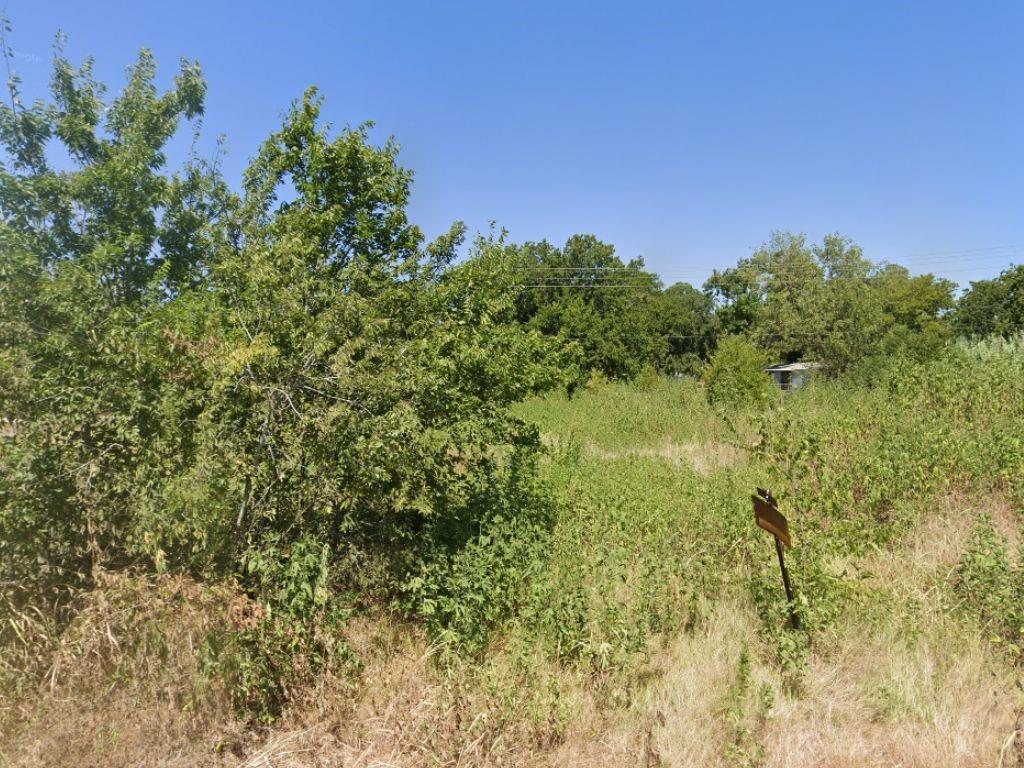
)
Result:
{"points": [[772, 294], [735, 374], [362, 382], [89, 256], [736, 296], [829, 303], [991, 307], [585, 295], [290, 387], [916, 309], [686, 319]]}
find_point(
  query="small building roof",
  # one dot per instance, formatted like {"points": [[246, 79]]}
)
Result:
{"points": [[801, 366]]}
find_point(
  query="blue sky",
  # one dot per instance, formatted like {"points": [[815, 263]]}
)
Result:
{"points": [[682, 132]]}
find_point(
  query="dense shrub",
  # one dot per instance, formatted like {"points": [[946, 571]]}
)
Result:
{"points": [[289, 386], [735, 374], [97, 264], [992, 583]]}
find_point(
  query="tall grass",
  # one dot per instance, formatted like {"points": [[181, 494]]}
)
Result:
{"points": [[644, 622]]}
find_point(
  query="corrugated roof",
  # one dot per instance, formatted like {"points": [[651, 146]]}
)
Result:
{"points": [[802, 366]]}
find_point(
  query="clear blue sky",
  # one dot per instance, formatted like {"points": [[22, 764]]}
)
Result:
{"points": [[682, 132]]}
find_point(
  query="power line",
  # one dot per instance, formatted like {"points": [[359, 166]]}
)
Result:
{"points": [[981, 256], [574, 270], [774, 336], [775, 282], [787, 282], [967, 251], [684, 268]]}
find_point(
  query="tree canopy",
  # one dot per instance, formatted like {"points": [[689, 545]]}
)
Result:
{"points": [[586, 296], [617, 313], [287, 384], [993, 307], [829, 303]]}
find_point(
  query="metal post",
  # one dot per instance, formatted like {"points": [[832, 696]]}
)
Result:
{"points": [[793, 616]]}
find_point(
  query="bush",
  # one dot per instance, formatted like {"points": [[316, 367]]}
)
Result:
{"points": [[735, 374], [992, 584], [287, 387]]}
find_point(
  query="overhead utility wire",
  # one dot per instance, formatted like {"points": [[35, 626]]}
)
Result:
{"points": [[566, 274], [774, 284], [967, 251], [787, 282], [682, 269], [991, 253], [1015, 251]]}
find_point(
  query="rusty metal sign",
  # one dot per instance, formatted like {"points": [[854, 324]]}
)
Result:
{"points": [[767, 515]]}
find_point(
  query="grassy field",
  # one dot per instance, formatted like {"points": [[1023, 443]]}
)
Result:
{"points": [[683, 591], [649, 623]]}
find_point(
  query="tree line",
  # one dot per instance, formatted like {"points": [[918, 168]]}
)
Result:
{"points": [[793, 299]]}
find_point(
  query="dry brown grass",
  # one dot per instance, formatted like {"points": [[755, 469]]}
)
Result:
{"points": [[880, 701], [409, 711], [917, 693], [122, 686], [122, 689], [873, 701]]}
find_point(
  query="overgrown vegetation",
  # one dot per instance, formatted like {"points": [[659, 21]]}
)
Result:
{"points": [[735, 374], [259, 446], [287, 388], [994, 306], [831, 304]]}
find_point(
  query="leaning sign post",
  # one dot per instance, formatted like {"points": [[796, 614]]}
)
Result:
{"points": [[767, 516]]}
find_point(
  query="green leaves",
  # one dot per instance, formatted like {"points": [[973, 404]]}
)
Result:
{"points": [[735, 375], [607, 310], [288, 388], [993, 306], [829, 304], [991, 583]]}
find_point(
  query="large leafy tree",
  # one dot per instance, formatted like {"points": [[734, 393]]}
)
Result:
{"points": [[829, 303], [993, 306], [96, 235], [288, 384], [686, 320], [588, 297], [360, 389], [915, 311]]}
